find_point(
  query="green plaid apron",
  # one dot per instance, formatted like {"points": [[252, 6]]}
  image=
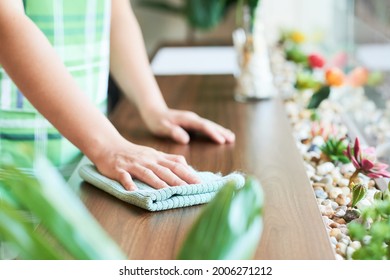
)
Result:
{"points": [[79, 32]]}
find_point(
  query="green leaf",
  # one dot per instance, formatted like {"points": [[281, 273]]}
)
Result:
{"points": [[205, 14], [61, 212], [296, 55], [201, 14], [375, 78], [20, 233], [356, 231], [380, 231], [306, 80], [335, 149], [318, 97], [229, 227], [358, 193], [378, 195], [344, 159]]}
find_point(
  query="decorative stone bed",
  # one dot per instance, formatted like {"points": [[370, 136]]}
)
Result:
{"points": [[330, 181]]}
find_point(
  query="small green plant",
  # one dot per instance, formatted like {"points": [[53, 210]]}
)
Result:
{"points": [[383, 195], [229, 227], [200, 14], [305, 80], [335, 150], [359, 191], [374, 238]]}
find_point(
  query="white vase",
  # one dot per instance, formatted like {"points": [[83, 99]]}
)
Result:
{"points": [[254, 80]]}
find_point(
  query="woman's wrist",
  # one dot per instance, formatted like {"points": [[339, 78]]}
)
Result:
{"points": [[154, 108], [100, 145]]}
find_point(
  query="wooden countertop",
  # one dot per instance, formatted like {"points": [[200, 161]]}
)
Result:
{"points": [[265, 148]]}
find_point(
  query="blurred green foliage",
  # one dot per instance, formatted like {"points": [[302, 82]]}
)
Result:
{"points": [[335, 150], [200, 14], [229, 227], [373, 231], [60, 228]]}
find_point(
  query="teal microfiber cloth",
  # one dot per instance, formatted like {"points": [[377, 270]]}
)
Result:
{"points": [[167, 198]]}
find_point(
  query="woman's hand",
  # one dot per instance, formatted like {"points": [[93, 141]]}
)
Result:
{"points": [[174, 123], [125, 161]]}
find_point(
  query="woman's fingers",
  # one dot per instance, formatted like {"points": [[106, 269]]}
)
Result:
{"points": [[157, 169], [174, 123], [182, 171], [216, 132], [125, 179], [167, 175], [147, 175]]}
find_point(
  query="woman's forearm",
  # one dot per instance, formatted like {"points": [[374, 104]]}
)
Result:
{"points": [[129, 63], [36, 69]]}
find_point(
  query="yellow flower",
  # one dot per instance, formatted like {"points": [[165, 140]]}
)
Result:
{"points": [[297, 37]]}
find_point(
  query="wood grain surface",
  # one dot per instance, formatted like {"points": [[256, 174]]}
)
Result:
{"points": [[293, 227]]}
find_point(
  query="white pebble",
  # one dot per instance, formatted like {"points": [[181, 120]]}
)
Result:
{"points": [[341, 249], [333, 240], [350, 251], [364, 203], [346, 190], [318, 141], [347, 168], [325, 168], [355, 244], [343, 182], [334, 192], [345, 240]]}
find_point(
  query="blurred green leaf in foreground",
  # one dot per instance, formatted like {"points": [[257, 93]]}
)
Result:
{"points": [[66, 229], [229, 227]]}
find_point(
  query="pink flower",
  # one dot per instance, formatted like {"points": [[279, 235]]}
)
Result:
{"points": [[366, 162], [322, 129], [358, 77], [339, 60]]}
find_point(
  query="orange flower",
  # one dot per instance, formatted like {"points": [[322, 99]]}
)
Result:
{"points": [[334, 76], [358, 77]]}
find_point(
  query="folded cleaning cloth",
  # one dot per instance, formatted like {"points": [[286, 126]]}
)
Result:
{"points": [[167, 198]]}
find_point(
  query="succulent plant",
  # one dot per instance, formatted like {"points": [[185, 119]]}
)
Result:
{"points": [[306, 80], [359, 191], [296, 55], [335, 149], [365, 162], [374, 238]]}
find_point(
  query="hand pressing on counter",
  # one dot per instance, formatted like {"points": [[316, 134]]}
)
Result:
{"points": [[125, 161], [177, 123], [131, 70]]}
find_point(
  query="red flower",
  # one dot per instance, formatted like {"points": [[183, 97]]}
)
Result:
{"points": [[316, 60], [365, 161]]}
